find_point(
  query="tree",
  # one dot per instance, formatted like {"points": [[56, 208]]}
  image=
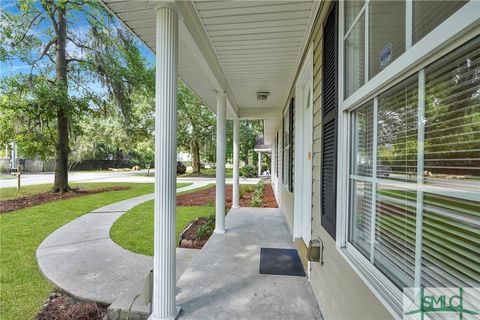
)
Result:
{"points": [[196, 123], [46, 25], [27, 115], [249, 130]]}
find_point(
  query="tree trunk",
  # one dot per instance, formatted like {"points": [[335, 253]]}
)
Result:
{"points": [[245, 155], [62, 149], [195, 157]]}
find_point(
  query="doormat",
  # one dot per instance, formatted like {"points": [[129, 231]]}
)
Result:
{"points": [[285, 262]]}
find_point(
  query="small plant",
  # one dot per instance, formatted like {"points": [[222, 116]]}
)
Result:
{"points": [[258, 193], [256, 201], [206, 229], [245, 188], [248, 171], [261, 185]]}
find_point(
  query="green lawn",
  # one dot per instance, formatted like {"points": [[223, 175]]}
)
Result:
{"points": [[134, 230], [210, 173], [13, 193], [22, 286]]}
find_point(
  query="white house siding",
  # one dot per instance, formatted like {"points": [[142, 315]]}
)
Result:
{"points": [[340, 292]]}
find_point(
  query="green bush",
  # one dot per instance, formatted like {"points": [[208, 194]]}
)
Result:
{"points": [[248, 171], [258, 193], [261, 185], [206, 229], [244, 188], [256, 201]]}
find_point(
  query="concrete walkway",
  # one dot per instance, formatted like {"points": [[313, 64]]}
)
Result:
{"points": [[81, 259], [223, 280]]}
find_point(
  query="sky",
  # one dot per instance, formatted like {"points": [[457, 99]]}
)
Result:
{"points": [[79, 27]]}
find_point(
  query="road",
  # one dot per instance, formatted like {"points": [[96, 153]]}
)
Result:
{"points": [[104, 176]]}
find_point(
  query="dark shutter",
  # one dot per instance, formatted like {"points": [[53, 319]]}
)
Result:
{"points": [[290, 143], [329, 123], [276, 156]]}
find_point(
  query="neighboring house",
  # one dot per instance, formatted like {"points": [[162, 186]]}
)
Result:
{"points": [[184, 156], [345, 88]]}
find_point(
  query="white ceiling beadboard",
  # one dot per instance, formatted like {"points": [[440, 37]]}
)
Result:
{"points": [[256, 43]]}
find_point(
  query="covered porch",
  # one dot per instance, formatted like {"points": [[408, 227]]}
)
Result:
{"points": [[223, 280], [241, 59]]}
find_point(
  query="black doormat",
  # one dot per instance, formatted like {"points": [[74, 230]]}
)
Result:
{"points": [[281, 262]]}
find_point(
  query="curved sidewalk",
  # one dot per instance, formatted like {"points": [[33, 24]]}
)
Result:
{"points": [[81, 259]]}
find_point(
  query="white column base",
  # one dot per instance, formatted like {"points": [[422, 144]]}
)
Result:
{"points": [[220, 231], [178, 309], [236, 207]]}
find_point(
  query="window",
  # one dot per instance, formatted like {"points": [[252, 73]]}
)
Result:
{"points": [[355, 57], [415, 176], [386, 34], [354, 46], [377, 33], [427, 15]]}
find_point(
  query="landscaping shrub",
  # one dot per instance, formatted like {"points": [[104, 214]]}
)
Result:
{"points": [[248, 171], [261, 185], [245, 188], [206, 229], [256, 201], [257, 195]]}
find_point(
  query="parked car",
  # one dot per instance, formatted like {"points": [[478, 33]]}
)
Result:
{"points": [[181, 168], [383, 171]]}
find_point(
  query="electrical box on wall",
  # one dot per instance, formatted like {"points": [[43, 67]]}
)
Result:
{"points": [[315, 251]]}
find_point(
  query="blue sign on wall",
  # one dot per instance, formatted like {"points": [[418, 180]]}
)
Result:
{"points": [[386, 55]]}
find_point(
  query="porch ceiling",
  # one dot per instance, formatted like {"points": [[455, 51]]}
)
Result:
{"points": [[240, 47]]}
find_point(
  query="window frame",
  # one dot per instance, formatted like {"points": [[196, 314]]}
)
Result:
{"points": [[456, 30]]}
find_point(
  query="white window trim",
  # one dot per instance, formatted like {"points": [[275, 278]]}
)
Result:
{"points": [[422, 53], [454, 31]]}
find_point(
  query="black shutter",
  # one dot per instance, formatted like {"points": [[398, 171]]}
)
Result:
{"points": [[329, 123], [290, 142], [277, 151]]}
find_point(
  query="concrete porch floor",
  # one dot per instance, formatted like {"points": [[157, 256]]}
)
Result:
{"points": [[223, 280]]}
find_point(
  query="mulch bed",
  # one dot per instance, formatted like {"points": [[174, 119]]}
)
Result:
{"points": [[207, 196], [45, 197], [189, 239], [62, 307], [269, 197]]}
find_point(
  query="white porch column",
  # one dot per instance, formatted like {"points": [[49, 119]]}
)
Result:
{"points": [[220, 166], [236, 176], [164, 259], [259, 163]]}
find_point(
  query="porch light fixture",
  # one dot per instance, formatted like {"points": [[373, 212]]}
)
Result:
{"points": [[262, 96]]}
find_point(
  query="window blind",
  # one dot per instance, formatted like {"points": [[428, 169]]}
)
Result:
{"points": [[440, 196]]}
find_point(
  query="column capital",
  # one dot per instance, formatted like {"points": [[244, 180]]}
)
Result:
{"points": [[221, 94], [157, 5]]}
